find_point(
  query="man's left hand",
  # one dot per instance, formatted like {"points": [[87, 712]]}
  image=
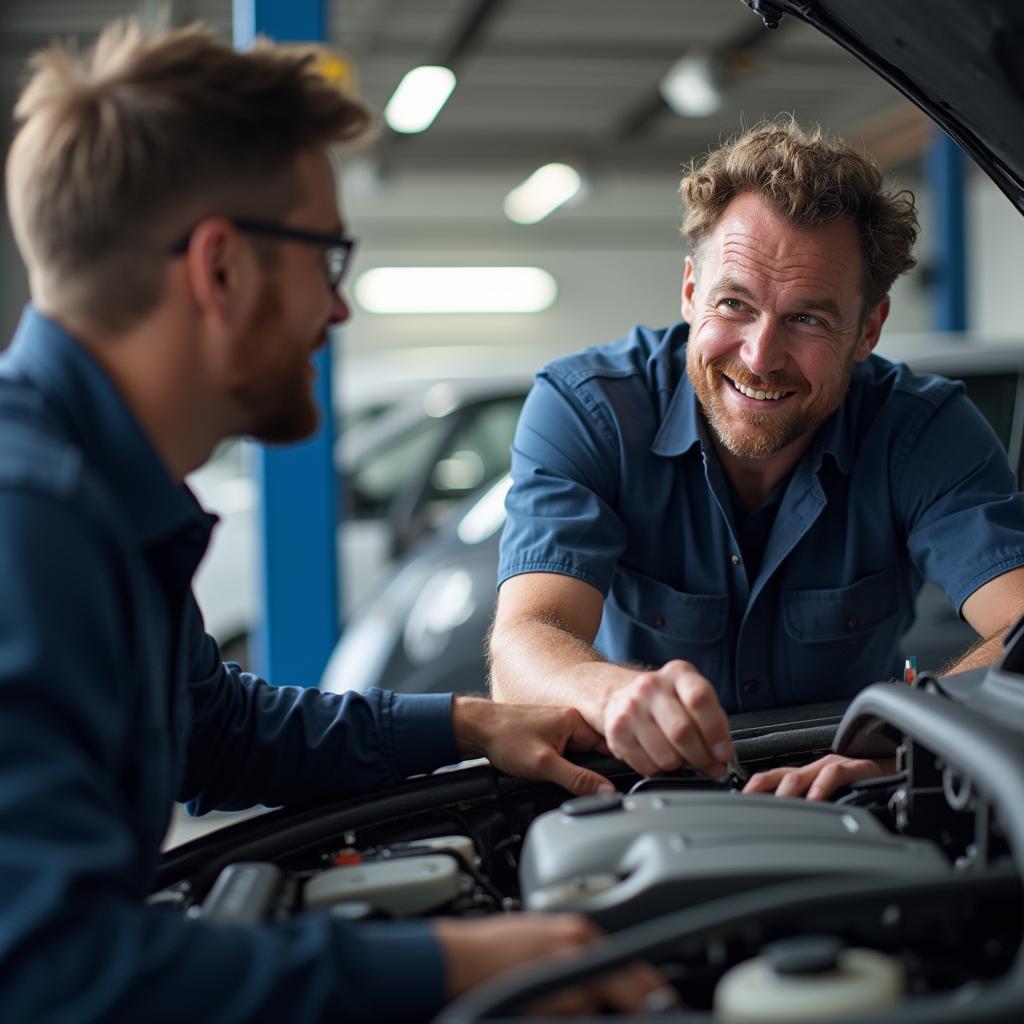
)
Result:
{"points": [[817, 780], [528, 741]]}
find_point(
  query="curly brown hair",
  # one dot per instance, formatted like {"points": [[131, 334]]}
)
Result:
{"points": [[123, 147], [809, 178]]}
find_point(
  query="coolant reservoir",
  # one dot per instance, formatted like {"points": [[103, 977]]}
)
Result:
{"points": [[810, 978]]}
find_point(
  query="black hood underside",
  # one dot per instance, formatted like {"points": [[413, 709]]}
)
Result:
{"points": [[961, 61]]}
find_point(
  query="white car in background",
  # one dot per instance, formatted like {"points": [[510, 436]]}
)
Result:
{"points": [[402, 466]]}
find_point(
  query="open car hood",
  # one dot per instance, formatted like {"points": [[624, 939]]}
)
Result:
{"points": [[960, 62]]}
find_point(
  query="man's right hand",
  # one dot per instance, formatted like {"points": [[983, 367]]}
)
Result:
{"points": [[665, 718], [477, 950]]}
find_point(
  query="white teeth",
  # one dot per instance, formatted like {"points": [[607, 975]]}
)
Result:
{"points": [[761, 396]]}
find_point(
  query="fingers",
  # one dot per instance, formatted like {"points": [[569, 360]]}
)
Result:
{"points": [[476, 950], [628, 990], [682, 732], [817, 780], [663, 719], [632, 733], [538, 759], [581, 735], [698, 696], [577, 780]]}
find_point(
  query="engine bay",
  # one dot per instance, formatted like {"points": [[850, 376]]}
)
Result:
{"points": [[899, 900]]}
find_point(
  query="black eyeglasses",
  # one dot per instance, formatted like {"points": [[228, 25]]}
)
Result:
{"points": [[337, 250]]}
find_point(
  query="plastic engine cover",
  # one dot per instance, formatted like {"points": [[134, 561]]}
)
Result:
{"points": [[664, 851]]}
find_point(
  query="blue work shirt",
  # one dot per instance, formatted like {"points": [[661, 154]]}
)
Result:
{"points": [[616, 483], [114, 703]]}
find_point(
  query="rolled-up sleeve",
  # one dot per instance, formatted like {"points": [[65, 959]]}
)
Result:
{"points": [[958, 497], [560, 509]]}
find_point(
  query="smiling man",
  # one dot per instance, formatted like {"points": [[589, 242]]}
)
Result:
{"points": [[737, 512]]}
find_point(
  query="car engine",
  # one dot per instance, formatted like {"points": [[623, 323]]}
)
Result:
{"points": [[898, 900]]}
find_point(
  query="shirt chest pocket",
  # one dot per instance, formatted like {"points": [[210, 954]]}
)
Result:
{"points": [[664, 623], [843, 613]]}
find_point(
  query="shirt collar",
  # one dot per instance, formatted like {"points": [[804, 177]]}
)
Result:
{"points": [[77, 389], [683, 426]]}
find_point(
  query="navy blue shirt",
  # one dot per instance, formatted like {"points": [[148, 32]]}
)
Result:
{"points": [[615, 482], [114, 703]]}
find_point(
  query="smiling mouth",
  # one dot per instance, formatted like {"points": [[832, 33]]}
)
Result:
{"points": [[760, 396]]}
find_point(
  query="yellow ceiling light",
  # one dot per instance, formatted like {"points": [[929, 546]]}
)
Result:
{"points": [[332, 65], [455, 290]]}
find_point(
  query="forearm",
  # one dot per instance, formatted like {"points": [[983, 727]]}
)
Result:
{"points": [[253, 743], [543, 663], [983, 653]]}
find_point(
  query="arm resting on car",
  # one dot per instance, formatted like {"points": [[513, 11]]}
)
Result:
{"points": [[654, 719], [990, 610]]}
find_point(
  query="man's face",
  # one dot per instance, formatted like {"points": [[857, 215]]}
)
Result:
{"points": [[776, 316], [272, 372]]}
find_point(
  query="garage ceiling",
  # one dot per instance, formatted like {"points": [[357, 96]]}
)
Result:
{"points": [[538, 80], [541, 80]]}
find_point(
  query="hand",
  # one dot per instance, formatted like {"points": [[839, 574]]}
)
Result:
{"points": [[478, 950], [665, 718], [817, 780], [528, 740]]}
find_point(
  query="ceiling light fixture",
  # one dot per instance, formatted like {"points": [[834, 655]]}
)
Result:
{"points": [[542, 193], [419, 98], [455, 290], [691, 87]]}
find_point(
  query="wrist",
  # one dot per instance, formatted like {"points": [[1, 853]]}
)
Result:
{"points": [[470, 717]]}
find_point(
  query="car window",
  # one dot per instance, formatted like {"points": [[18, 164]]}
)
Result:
{"points": [[995, 395], [388, 468], [478, 451]]}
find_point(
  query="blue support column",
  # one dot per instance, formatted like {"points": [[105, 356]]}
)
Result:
{"points": [[945, 167], [298, 498]]}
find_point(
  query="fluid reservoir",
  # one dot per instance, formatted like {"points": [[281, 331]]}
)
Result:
{"points": [[810, 978]]}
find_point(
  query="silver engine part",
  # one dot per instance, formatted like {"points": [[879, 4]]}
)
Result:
{"points": [[623, 861]]}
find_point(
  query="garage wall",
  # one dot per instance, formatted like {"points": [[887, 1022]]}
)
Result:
{"points": [[995, 241]]}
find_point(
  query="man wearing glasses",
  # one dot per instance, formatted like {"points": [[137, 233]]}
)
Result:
{"points": [[175, 206]]}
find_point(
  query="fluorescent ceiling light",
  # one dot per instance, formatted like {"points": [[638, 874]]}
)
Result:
{"points": [[455, 290], [690, 88], [418, 99], [543, 192]]}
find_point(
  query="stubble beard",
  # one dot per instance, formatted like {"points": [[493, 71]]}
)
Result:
{"points": [[763, 434], [276, 394]]}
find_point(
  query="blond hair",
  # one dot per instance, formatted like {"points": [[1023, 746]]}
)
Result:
{"points": [[809, 178], [120, 149]]}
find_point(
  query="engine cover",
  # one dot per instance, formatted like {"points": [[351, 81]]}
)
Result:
{"points": [[628, 860]]}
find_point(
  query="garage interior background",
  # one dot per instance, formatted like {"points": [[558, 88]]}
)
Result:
{"points": [[574, 81]]}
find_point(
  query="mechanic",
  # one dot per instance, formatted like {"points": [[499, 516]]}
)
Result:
{"points": [[736, 513], [175, 205]]}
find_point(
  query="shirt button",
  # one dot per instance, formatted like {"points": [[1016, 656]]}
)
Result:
{"points": [[751, 686], [735, 559], [659, 620], [852, 622]]}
